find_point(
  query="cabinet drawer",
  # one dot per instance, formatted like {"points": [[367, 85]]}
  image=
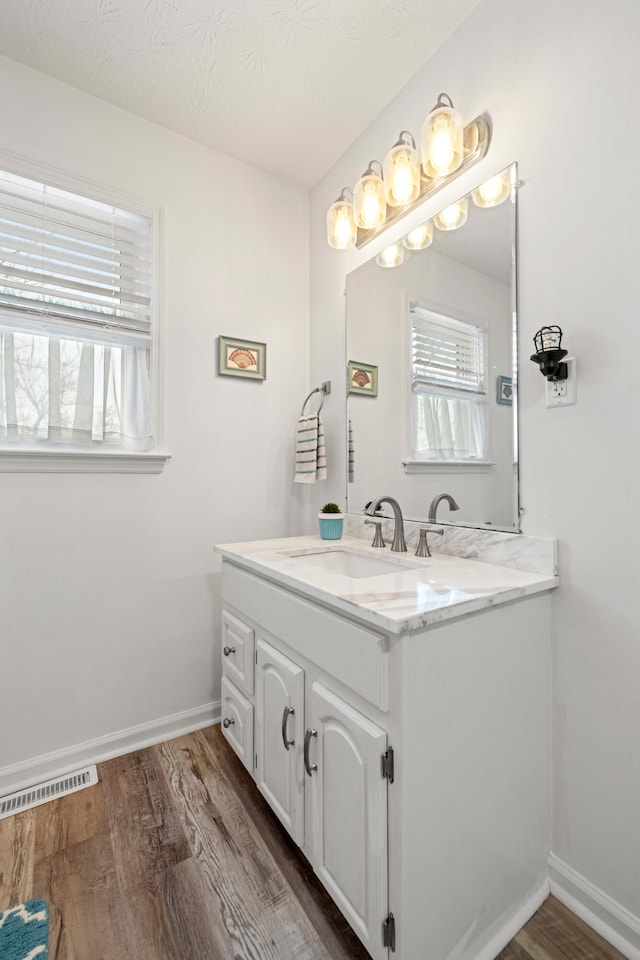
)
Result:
{"points": [[238, 651], [353, 655], [237, 722]]}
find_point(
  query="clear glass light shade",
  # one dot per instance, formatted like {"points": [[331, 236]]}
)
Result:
{"points": [[453, 216], [419, 238], [548, 338], [442, 142], [341, 225], [493, 191], [393, 256], [401, 175], [369, 203]]}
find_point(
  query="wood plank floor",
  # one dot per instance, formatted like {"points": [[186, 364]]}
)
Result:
{"points": [[175, 856]]}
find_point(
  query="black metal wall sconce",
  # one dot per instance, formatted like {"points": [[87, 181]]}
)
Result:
{"points": [[549, 354]]}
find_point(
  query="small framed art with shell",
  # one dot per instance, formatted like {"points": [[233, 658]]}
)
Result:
{"points": [[242, 358], [362, 378]]}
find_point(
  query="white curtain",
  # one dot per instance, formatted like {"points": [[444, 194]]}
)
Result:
{"points": [[449, 428], [74, 392]]}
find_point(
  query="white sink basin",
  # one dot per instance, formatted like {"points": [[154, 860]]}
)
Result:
{"points": [[351, 564]]}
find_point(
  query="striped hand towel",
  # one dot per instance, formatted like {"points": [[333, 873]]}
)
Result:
{"points": [[311, 461]]}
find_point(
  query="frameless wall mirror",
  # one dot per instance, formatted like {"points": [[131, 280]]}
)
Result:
{"points": [[432, 351]]}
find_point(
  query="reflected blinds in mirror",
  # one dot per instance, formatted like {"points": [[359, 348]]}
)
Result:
{"points": [[446, 352], [448, 383]]}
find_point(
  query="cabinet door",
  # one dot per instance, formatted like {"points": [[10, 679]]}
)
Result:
{"points": [[279, 736], [349, 812]]}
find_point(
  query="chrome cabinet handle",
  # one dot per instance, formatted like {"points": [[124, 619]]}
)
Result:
{"points": [[309, 767], [228, 650], [286, 713], [226, 723]]}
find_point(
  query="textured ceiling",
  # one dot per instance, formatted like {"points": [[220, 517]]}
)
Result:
{"points": [[286, 85]]}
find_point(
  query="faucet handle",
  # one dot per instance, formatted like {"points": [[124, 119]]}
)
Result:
{"points": [[378, 540], [423, 546]]}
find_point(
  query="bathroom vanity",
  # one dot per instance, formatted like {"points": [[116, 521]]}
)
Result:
{"points": [[395, 714]]}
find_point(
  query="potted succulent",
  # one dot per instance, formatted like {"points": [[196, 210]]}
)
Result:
{"points": [[331, 521]]}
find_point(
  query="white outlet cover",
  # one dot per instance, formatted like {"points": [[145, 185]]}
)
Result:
{"points": [[562, 393]]}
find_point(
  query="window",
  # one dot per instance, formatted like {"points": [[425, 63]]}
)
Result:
{"points": [[75, 321], [448, 387]]}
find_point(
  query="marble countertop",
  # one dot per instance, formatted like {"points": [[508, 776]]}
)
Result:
{"points": [[418, 593]]}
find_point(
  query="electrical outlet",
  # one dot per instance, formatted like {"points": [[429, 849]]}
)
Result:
{"points": [[561, 393]]}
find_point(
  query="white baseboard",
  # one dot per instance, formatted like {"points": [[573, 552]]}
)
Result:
{"points": [[515, 921], [59, 762], [615, 923]]}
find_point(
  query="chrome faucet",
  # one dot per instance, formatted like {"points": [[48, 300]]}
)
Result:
{"points": [[398, 545], [434, 505]]}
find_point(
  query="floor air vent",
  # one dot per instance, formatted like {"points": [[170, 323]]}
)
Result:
{"points": [[49, 790]]}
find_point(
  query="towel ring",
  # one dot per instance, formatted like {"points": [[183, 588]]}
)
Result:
{"points": [[315, 390]]}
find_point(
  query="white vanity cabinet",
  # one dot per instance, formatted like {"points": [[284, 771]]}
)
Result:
{"points": [[318, 756], [410, 767]]}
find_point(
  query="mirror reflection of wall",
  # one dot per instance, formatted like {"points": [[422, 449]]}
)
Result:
{"points": [[440, 329]]}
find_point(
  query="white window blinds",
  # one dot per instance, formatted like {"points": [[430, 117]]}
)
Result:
{"points": [[446, 353], [69, 260], [75, 319], [448, 387]]}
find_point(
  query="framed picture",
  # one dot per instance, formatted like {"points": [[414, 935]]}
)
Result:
{"points": [[362, 378], [242, 358], [505, 391]]}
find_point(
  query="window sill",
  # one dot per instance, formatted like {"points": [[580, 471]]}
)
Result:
{"points": [[80, 461], [447, 466]]}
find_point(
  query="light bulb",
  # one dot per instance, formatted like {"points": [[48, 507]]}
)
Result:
{"points": [[369, 204], [493, 191], [392, 256], [419, 238], [344, 233], [453, 216], [402, 186], [442, 152], [370, 209]]}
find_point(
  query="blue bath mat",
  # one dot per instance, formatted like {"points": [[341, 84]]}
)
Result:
{"points": [[24, 931]]}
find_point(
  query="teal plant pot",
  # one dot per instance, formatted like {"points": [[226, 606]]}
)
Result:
{"points": [[331, 525]]}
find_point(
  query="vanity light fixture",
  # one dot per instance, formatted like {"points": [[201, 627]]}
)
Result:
{"points": [[341, 224], [453, 216], [492, 192], [442, 140], [401, 171], [392, 256], [549, 353], [384, 193], [419, 238], [369, 202]]}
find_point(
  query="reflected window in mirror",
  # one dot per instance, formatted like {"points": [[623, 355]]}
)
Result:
{"points": [[448, 387]]}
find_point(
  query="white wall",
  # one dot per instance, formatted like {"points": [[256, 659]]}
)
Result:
{"points": [[109, 584], [552, 76]]}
